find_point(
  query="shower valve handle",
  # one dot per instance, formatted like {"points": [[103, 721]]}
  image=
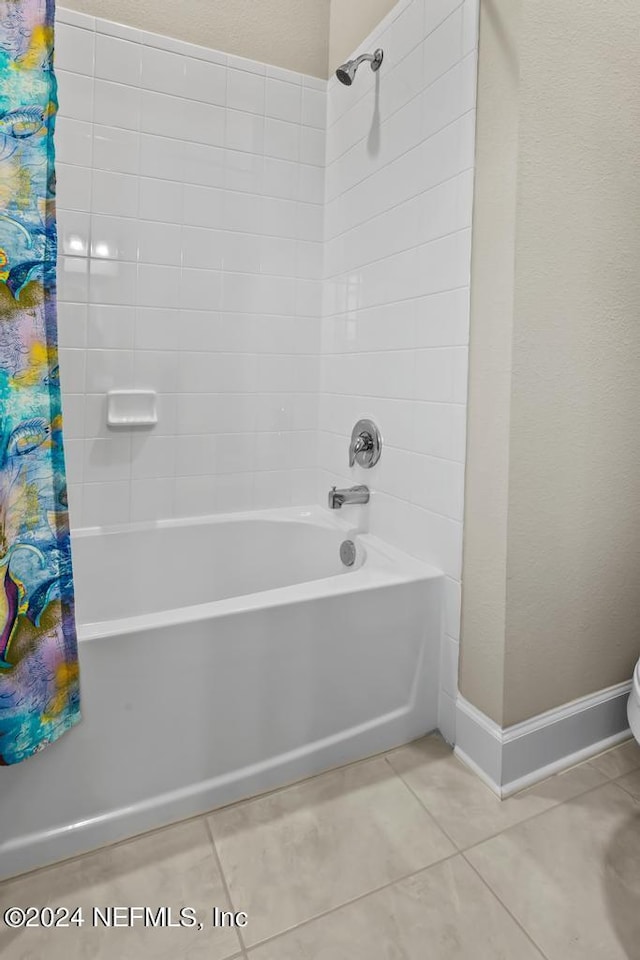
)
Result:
{"points": [[366, 444]]}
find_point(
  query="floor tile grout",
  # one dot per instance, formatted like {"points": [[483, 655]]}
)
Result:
{"points": [[352, 900], [505, 907], [628, 793], [223, 877], [540, 813], [462, 849], [424, 807]]}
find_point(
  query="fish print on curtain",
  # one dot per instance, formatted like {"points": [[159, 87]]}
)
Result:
{"points": [[39, 687]]}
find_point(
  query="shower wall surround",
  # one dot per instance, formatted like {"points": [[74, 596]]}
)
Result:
{"points": [[399, 184], [190, 189], [277, 256]]}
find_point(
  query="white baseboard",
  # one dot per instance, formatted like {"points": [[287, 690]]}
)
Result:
{"points": [[512, 758]]}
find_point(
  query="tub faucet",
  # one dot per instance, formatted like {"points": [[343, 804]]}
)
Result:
{"points": [[358, 494]]}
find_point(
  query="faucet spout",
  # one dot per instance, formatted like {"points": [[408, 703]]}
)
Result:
{"points": [[357, 494]]}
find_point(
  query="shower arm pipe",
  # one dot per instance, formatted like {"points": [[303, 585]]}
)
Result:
{"points": [[375, 59]]}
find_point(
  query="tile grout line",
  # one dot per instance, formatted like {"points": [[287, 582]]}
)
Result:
{"points": [[541, 813], [350, 901], [512, 826], [223, 877], [424, 807], [347, 903], [493, 893], [616, 783]]}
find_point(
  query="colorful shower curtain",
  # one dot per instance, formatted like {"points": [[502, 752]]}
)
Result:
{"points": [[39, 692]]}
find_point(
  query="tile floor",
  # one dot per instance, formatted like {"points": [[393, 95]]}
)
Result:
{"points": [[406, 856]]}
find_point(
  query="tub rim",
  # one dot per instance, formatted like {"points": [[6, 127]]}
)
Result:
{"points": [[384, 565]]}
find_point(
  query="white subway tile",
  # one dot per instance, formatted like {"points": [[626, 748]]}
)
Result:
{"points": [[244, 131], [203, 206], [73, 187], [163, 158], [106, 504], [116, 105], [118, 60], [245, 91], [73, 279], [114, 194], [202, 165], [115, 149], [157, 329], [112, 281], [153, 456], [74, 49], [75, 95], [107, 460], [282, 139], [201, 289], [284, 100], [74, 141], [194, 496], [72, 325], [159, 243], [156, 370], [314, 108], [160, 200], [110, 327], [152, 499], [205, 81], [163, 72], [452, 608], [158, 286], [114, 238], [73, 233], [72, 369]]}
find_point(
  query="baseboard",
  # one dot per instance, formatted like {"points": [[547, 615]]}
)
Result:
{"points": [[512, 758]]}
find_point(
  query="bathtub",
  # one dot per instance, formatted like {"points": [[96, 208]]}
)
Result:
{"points": [[221, 657]]}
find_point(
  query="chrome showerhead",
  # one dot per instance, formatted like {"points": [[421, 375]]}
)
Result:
{"points": [[347, 71]]}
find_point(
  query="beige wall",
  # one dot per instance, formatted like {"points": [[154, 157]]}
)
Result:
{"points": [[351, 22], [287, 33], [488, 411], [567, 622], [311, 36]]}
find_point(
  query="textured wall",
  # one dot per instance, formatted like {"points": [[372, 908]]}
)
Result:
{"points": [[572, 614], [487, 473], [351, 22], [287, 33]]}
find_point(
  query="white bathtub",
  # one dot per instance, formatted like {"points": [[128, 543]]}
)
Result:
{"points": [[221, 657]]}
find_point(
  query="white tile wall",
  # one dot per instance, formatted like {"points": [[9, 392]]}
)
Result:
{"points": [[399, 180], [277, 257], [190, 204]]}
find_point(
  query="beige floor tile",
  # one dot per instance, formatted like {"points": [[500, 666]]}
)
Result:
{"points": [[292, 855], [572, 876], [618, 761], [444, 913], [175, 867], [463, 806]]}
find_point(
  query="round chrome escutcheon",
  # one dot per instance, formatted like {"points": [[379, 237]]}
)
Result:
{"points": [[348, 552]]}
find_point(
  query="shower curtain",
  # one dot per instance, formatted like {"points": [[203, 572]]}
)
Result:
{"points": [[39, 689]]}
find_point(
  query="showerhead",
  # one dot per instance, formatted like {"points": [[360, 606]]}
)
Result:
{"points": [[347, 71]]}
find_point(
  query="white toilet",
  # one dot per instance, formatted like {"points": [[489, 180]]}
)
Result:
{"points": [[633, 706]]}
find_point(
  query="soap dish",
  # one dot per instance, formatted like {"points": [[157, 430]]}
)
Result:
{"points": [[132, 408]]}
